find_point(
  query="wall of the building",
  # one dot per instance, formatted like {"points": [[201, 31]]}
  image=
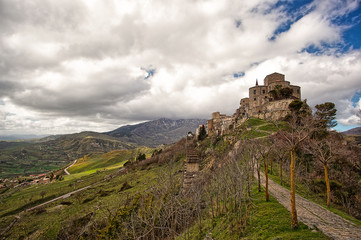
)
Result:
{"points": [[283, 84], [274, 77], [274, 110], [296, 91], [258, 95]]}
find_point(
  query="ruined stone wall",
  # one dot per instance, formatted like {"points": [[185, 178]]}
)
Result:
{"points": [[296, 91], [220, 124], [209, 126], [275, 110]]}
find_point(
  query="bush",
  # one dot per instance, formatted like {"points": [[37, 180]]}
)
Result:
{"points": [[141, 157], [125, 186]]}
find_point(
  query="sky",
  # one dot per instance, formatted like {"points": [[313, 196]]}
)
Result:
{"points": [[75, 65]]}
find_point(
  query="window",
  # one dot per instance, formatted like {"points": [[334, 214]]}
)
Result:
{"points": [[254, 99], [298, 90], [265, 97], [263, 91], [254, 91]]}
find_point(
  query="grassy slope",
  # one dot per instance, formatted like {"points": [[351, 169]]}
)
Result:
{"points": [[258, 125], [100, 199], [270, 220], [93, 162], [305, 192], [267, 220], [43, 156], [83, 174]]}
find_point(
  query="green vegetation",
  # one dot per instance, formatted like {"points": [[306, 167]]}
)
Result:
{"points": [[267, 220], [145, 198], [253, 122], [202, 133], [270, 220], [306, 192], [41, 156], [62, 217], [98, 161], [269, 128], [253, 134]]}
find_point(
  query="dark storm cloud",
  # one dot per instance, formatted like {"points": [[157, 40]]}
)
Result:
{"points": [[76, 98], [7, 87], [29, 27], [52, 15], [72, 65]]}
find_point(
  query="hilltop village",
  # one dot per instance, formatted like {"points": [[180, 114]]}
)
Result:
{"points": [[269, 101]]}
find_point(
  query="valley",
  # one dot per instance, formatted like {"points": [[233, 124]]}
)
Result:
{"points": [[38, 156]]}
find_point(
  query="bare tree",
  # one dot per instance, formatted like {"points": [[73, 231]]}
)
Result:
{"points": [[297, 131], [325, 150], [262, 148], [42, 194], [279, 153]]}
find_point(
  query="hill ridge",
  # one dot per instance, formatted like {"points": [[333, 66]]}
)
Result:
{"points": [[156, 132]]}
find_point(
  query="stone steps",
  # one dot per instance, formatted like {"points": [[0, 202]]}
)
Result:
{"points": [[191, 167]]}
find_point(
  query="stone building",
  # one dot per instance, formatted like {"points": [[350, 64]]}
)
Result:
{"points": [[220, 124], [268, 101], [260, 95]]}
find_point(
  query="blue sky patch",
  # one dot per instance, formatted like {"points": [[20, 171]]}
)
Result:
{"points": [[351, 24], [295, 9], [342, 128], [238, 74], [150, 72], [238, 23], [356, 98]]}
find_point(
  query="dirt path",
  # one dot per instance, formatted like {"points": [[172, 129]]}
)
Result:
{"points": [[315, 216], [61, 197], [122, 170], [66, 169]]}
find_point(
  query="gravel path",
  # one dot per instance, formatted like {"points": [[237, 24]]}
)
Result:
{"points": [[315, 216]]}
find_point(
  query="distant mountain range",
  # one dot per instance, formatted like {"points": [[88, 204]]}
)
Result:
{"points": [[157, 132], [53, 152], [353, 131], [20, 137]]}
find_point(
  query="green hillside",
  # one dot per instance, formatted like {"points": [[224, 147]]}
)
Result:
{"points": [[25, 158], [146, 197], [114, 159]]}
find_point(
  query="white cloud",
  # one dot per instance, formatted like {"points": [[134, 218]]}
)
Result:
{"points": [[68, 66], [352, 114]]}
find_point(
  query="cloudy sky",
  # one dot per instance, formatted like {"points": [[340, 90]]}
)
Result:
{"points": [[74, 65]]}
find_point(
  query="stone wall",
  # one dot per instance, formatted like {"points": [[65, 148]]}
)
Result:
{"points": [[274, 110]]}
